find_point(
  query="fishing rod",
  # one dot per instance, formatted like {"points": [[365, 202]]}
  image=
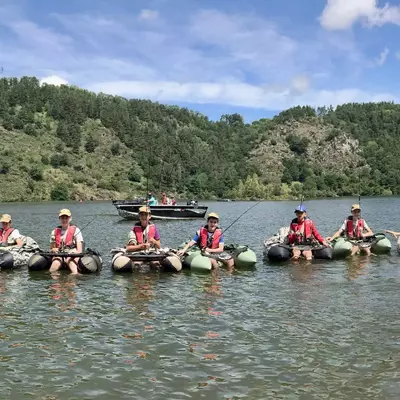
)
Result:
{"points": [[240, 216]]}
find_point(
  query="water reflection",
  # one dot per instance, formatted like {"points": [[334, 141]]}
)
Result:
{"points": [[356, 267], [63, 291]]}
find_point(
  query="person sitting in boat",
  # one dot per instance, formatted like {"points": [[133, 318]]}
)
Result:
{"points": [[144, 235], [9, 236], [173, 201], [303, 233], [354, 228], [66, 238], [164, 199], [151, 200], [210, 239]]}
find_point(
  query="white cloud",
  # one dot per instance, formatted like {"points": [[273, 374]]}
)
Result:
{"points": [[148, 15], [342, 14], [54, 80], [300, 84], [382, 57], [234, 94]]}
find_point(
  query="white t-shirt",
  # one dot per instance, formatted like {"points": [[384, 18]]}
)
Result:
{"points": [[12, 239], [77, 236]]}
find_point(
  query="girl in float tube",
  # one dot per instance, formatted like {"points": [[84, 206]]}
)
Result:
{"points": [[9, 236], [144, 236], [66, 238], [354, 228], [210, 239], [303, 232]]}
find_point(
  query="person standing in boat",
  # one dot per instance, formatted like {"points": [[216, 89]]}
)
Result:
{"points": [[303, 233], [66, 238], [144, 235], [210, 239], [151, 200], [354, 228], [9, 236]]}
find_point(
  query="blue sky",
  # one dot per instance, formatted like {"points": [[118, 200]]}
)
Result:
{"points": [[223, 56]]}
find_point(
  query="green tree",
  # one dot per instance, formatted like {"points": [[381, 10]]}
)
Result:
{"points": [[59, 193]]}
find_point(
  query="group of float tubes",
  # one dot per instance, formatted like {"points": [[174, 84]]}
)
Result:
{"points": [[203, 253]]}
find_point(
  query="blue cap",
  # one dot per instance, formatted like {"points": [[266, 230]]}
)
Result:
{"points": [[301, 208]]}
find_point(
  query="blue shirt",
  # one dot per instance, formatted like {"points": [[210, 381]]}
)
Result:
{"points": [[196, 237], [152, 201]]}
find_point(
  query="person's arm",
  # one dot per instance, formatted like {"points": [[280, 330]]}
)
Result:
{"points": [[338, 233], [393, 233], [187, 246], [217, 250], [156, 241], [316, 234], [368, 230]]}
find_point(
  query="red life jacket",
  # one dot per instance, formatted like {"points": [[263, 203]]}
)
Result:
{"points": [[215, 237], [4, 234], [306, 235], [69, 237], [164, 201], [139, 232], [350, 227]]}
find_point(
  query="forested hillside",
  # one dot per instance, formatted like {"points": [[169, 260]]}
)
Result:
{"points": [[68, 143]]}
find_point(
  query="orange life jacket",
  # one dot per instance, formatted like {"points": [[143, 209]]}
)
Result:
{"points": [[69, 237], [350, 227], [4, 234], [139, 232], [211, 242]]}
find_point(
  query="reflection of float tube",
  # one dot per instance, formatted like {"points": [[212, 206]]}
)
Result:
{"points": [[6, 260]]}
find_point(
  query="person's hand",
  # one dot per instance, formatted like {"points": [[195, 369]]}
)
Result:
{"points": [[328, 239], [180, 253], [153, 241], [54, 250], [145, 246], [326, 243]]}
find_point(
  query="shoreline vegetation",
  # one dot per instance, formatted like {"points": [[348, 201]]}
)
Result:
{"points": [[66, 143]]}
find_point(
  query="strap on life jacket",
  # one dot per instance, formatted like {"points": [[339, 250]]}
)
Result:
{"points": [[304, 229], [4, 234], [151, 231], [350, 227], [212, 241], [69, 237]]}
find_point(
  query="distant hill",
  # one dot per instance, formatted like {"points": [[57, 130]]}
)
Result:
{"points": [[67, 143]]}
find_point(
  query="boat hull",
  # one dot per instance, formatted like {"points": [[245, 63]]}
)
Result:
{"points": [[130, 211]]}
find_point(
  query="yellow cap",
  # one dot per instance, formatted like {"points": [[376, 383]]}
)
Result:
{"points": [[213, 215], [5, 218], [64, 211], [144, 209], [355, 207]]}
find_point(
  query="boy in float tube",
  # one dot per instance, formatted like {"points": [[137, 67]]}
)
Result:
{"points": [[354, 228], [66, 238], [211, 240], [9, 236], [144, 236], [303, 232]]}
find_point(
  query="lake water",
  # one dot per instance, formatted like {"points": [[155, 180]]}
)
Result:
{"points": [[326, 330]]}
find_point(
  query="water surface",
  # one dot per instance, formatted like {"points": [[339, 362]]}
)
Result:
{"points": [[325, 330]]}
